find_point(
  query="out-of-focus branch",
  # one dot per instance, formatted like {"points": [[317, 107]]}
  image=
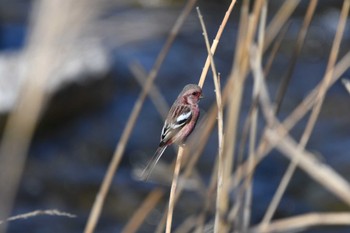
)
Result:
{"points": [[50, 36]]}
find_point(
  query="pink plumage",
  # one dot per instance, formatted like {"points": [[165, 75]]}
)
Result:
{"points": [[179, 124]]}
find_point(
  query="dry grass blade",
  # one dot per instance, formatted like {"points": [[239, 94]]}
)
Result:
{"points": [[101, 195], [301, 222], [39, 213]]}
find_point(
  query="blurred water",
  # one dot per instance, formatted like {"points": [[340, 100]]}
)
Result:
{"points": [[77, 136]]}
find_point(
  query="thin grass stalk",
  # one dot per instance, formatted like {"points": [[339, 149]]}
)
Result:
{"points": [[274, 50], [296, 52], [220, 118], [187, 225], [157, 98], [279, 20], [312, 120], [211, 191], [142, 212], [102, 193], [173, 190], [216, 42], [305, 221], [242, 34]]}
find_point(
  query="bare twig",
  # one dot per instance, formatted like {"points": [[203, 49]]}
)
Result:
{"points": [[43, 53], [157, 98], [173, 190], [300, 222], [216, 42]]}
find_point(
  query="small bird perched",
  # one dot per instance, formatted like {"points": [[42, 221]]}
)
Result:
{"points": [[179, 124]]}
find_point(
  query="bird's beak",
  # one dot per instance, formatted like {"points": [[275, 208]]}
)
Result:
{"points": [[201, 96]]}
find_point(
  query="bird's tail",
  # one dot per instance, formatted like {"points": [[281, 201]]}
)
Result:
{"points": [[152, 163]]}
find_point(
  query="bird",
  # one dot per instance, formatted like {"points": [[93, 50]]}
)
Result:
{"points": [[179, 123]]}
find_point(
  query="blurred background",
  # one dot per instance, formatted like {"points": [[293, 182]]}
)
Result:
{"points": [[92, 92]]}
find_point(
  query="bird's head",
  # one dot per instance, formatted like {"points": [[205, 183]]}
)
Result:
{"points": [[192, 93]]}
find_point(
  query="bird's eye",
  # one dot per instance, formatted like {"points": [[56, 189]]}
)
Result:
{"points": [[194, 93]]}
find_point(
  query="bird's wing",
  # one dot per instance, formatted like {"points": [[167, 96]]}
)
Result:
{"points": [[178, 117]]}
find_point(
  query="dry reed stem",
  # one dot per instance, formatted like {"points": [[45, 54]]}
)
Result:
{"points": [[304, 221], [173, 190], [279, 20], [320, 172], [247, 201], [208, 199], [220, 118], [287, 176], [102, 193], [238, 75], [204, 135], [296, 52], [187, 225], [216, 42], [312, 120], [142, 212], [38, 213], [291, 120], [218, 92]]}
